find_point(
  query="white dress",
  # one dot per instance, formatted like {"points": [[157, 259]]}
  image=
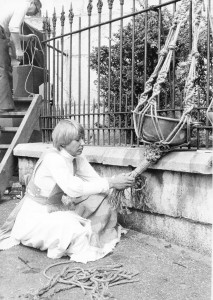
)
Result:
{"points": [[61, 233]]}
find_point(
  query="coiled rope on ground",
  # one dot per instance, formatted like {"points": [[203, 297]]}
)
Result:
{"points": [[96, 280]]}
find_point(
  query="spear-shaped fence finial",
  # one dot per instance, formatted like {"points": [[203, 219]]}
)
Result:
{"points": [[71, 14]]}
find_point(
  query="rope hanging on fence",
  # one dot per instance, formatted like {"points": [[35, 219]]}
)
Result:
{"points": [[146, 105], [155, 150], [30, 62]]}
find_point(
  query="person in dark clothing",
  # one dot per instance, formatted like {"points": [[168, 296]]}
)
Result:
{"points": [[11, 19]]}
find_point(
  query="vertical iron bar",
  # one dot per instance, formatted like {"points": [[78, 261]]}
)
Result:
{"points": [[71, 16], [57, 79], [79, 71], [54, 113], [104, 121], [45, 81], [89, 10], [138, 141], [41, 124], [145, 43], [190, 26], [208, 69], [173, 76], [62, 57], [190, 43], [84, 113], [125, 122], [159, 43], [121, 67], [49, 119], [114, 116], [132, 126], [133, 65], [93, 121], [54, 19], [74, 110], [48, 60], [99, 6], [110, 5], [65, 110]]}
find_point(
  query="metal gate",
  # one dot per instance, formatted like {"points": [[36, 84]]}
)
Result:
{"points": [[97, 63]]}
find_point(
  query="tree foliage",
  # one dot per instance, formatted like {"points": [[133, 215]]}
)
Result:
{"points": [[127, 60], [181, 55]]}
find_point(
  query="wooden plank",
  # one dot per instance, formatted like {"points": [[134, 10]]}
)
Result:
{"points": [[8, 129], [22, 135], [23, 99], [4, 146], [12, 114], [22, 103]]}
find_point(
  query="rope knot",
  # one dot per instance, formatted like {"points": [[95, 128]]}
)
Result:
{"points": [[152, 153], [172, 46], [152, 100], [163, 52], [195, 54]]}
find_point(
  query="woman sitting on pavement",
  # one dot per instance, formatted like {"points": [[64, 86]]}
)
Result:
{"points": [[65, 209]]}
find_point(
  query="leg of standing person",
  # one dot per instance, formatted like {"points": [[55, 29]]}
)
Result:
{"points": [[6, 99]]}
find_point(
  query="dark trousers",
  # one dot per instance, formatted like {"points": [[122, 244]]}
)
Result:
{"points": [[6, 99]]}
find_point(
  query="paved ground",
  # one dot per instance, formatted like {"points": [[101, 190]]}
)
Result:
{"points": [[166, 271]]}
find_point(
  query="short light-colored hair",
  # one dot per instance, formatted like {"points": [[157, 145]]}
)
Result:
{"points": [[65, 132]]}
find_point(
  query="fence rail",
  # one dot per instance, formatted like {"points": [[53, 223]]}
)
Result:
{"points": [[96, 72]]}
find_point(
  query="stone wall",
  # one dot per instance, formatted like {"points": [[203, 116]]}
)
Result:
{"points": [[179, 205]]}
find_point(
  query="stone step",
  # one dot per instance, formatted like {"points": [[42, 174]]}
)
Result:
{"points": [[4, 146], [22, 99], [8, 129], [12, 114]]}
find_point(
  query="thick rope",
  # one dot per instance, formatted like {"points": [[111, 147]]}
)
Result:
{"points": [[178, 21], [154, 85], [189, 90], [95, 280], [161, 72], [117, 198]]}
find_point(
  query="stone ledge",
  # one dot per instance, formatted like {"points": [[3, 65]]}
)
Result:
{"points": [[179, 161]]}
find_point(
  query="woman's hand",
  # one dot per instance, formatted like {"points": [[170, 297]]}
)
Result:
{"points": [[31, 37], [121, 182], [19, 54], [26, 37]]}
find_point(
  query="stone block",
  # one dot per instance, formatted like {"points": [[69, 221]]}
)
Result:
{"points": [[195, 236]]}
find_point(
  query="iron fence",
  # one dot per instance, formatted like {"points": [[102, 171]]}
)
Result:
{"points": [[96, 72]]}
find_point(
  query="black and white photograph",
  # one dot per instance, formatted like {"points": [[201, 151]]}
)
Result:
{"points": [[106, 149]]}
